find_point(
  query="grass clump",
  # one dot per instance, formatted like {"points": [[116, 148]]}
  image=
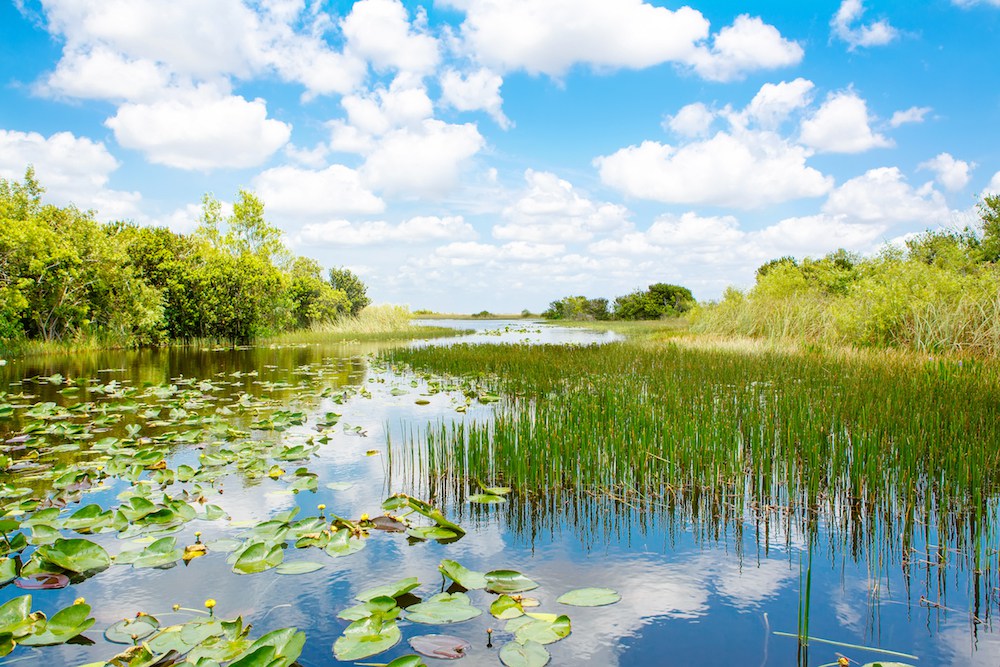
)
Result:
{"points": [[374, 323]]}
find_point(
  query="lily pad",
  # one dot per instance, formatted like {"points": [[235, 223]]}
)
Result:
{"points": [[486, 498], [443, 647], [258, 557], [382, 606], [343, 543], [431, 533], [508, 581], [367, 637], [298, 567], [63, 626], [464, 577], [42, 581], [505, 608], [75, 555], [589, 597], [393, 590], [130, 630], [529, 654], [162, 552], [443, 608], [8, 570], [541, 628]]}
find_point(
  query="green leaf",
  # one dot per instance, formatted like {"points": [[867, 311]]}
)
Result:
{"points": [[162, 552], [486, 498], [63, 626], [393, 590], [343, 543], [443, 608], [382, 606], [431, 533], [505, 608], [123, 631], [367, 637], [258, 557], [464, 577], [279, 648], [407, 661], [541, 628], [529, 654], [8, 570], [508, 581], [75, 555], [298, 567], [589, 597]]}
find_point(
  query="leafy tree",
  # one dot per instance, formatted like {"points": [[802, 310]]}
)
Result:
{"points": [[989, 213], [577, 308], [314, 300], [659, 300], [350, 284]]}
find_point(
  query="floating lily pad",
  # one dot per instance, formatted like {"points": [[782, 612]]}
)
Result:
{"points": [[8, 570], [529, 654], [431, 533], [464, 577], [393, 590], [443, 647], [486, 498], [75, 555], [590, 597], [443, 608], [382, 606], [298, 567], [343, 543], [407, 661], [541, 628], [42, 581], [367, 637], [63, 626], [225, 545], [505, 608], [162, 552], [130, 630], [508, 581], [258, 557]]}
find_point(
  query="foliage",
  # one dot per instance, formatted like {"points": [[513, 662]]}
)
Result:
{"points": [[659, 300], [577, 308], [66, 277]]}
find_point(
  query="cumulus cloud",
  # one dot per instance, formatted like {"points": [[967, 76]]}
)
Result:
{"points": [[550, 36], [841, 125], [952, 174], [911, 115], [73, 170], [994, 185], [100, 73], [380, 31], [479, 90], [693, 120], [336, 190], [551, 210], [748, 44], [743, 169], [847, 27], [200, 129], [420, 229], [421, 161], [774, 102], [882, 195], [384, 109]]}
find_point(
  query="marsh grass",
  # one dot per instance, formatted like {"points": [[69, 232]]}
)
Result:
{"points": [[881, 454]]}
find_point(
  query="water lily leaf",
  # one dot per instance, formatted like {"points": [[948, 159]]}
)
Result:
{"points": [[529, 654], [75, 555], [590, 597], [42, 581], [63, 626], [407, 661], [367, 637], [393, 590], [224, 545], [298, 567], [541, 628], [389, 524], [17, 620], [43, 533], [421, 507], [258, 557], [443, 647], [505, 608], [431, 533], [139, 627], [162, 552], [443, 608], [339, 486], [8, 570], [464, 577], [508, 581], [183, 638], [486, 498], [343, 543], [382, 606], [279, 648]]}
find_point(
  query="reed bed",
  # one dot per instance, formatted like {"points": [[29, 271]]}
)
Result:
{"points": [[883, 456]]}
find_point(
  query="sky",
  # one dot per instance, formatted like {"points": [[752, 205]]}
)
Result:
{"points": [[468, 155]]}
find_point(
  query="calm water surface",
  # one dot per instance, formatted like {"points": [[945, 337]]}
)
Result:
{"points": [[689, 596]]}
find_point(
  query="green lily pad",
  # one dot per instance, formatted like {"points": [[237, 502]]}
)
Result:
{"points": [[367, 637], [464, 577], [505, 608], [529, 654], [298, 567], [393, 590], [258, 557], [343, 543], [382, 606], [486, 499], [75, 555], [125, 630], [508, 581], [8, 570], [589, 597], [431, 533], [407, 661], [443, 608], [279, 648], [63, 626], [540, 628]]}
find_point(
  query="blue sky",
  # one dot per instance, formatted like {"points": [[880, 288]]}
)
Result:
{"points": [[463, 155]]}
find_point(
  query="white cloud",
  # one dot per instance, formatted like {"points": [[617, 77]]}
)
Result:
{"points": [[775, 101], [310, 157], [336, 190], [952, 174], [994, 186], [423, 161], [742, 169], [877, 33], [973, 3], [380, 31], [911, 115], [883, 196], [551, 210], [691, 229], [550, 36], [693, 120], [841, 125], [816, 235], [474, 91], [401, 105], [415, 230], [469, 253], [748, 44], [200, 129], [100, 73], [73, 170]]}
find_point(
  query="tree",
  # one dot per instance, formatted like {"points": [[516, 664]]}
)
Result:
{"points": [[313, 299], [659, 300], [351, 285], [577, 308]]}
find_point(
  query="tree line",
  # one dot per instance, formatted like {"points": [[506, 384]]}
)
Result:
{"points": [[657, 301], [65, 276]]}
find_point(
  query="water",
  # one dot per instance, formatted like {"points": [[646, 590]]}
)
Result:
{"points": [[687, 597]]}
